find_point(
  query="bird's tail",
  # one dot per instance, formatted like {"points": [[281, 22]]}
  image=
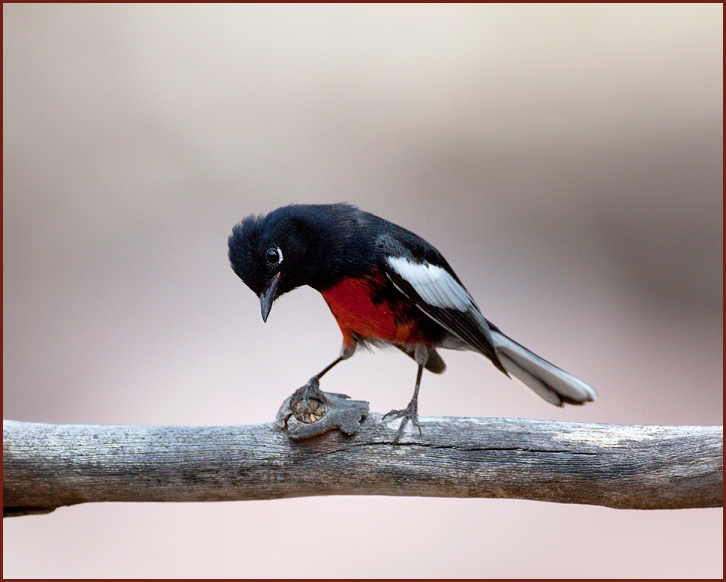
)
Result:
{"points": [[554, 385]]}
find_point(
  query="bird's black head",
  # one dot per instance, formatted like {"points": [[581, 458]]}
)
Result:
{"points": [[292, 246]]}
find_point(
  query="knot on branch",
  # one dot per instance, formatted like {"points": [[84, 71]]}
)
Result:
{"points": [[307, 413]]}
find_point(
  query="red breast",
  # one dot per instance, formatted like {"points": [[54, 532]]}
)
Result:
{"points": [[351, 302]]}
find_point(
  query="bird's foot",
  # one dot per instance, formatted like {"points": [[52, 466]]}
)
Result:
{"points": [[408, 414], [308, 402]]}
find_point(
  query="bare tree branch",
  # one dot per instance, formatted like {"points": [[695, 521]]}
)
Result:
{"points": [[645, 467]]}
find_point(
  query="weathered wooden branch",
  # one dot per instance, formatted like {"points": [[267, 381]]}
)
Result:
{"points": [[645, 467]]}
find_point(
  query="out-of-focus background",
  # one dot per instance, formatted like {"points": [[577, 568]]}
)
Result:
{"points": [[566, 159]]}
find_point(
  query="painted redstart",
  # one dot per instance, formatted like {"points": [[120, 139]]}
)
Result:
{"points": [[385, 286]]}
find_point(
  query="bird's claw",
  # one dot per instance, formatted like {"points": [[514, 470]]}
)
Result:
{"points": [[308, 402], [408, 414]]}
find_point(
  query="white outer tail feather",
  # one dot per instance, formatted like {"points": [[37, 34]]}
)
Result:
{"points": [[548, 381]]}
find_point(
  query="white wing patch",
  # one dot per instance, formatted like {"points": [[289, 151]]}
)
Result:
{"points": [[433, 284]]}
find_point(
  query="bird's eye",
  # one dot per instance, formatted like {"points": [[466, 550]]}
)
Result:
{"points": [[274, 256]]}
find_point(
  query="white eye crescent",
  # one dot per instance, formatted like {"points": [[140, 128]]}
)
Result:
{"points": [[274, 256]]}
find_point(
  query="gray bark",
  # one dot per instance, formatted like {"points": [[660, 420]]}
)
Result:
{"points": [[644, 467]]}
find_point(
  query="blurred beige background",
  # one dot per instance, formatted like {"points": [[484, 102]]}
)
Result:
{"points": [[566, 159]]}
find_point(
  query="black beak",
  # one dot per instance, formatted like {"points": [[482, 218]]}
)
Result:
{"points": [[267, 297]]}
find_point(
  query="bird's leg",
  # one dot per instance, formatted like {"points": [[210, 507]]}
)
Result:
{"points": [[410, 413], [327, 369], [311, 390]]}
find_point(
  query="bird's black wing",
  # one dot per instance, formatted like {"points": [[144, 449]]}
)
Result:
{"points": [[422, 274]]}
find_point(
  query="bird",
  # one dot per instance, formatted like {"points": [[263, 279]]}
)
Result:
{"points": [[385, 286]]}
